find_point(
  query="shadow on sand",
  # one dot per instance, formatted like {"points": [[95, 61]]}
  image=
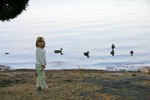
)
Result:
{"points": [[128, 87]]}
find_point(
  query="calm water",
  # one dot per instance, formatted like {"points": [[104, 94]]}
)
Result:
{"points": [[78, 26]]}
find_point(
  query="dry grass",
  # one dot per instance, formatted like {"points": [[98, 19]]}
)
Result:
{"points": [[75, 85]]}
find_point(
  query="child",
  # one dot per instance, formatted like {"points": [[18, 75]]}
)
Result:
{"points": [[40, 63]]}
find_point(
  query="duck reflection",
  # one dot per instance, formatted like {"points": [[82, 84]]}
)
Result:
{"points": [[10, 9]]}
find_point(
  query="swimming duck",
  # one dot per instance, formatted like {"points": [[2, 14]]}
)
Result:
{"points": [[112, 52], [86, 54], [131, 52], [6, 53], [59, 51], [113, 46]]}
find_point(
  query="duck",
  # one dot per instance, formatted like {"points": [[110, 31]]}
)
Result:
{"points": [[131, 52], [86, 54], [113, 46], [59, 51], [6, 53], [112, 52]]}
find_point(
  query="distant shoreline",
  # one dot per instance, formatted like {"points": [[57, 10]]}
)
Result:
{"points": [[145, 69]]}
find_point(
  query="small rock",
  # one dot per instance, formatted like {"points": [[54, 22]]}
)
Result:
{"points": [[4, 68], [116, 74], [145, 69], [133, 74]]}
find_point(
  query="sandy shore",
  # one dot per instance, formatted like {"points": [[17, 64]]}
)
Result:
{"points": [[76, 85]]}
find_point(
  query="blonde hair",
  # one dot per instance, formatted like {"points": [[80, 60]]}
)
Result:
{"points": [[40, 39]]}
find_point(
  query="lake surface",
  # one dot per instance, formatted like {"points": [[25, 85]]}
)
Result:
{"points": [[78, 26]]}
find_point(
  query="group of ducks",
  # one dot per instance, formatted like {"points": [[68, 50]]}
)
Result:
{"points": [[87, 54], [113, 51], [61, 52]]}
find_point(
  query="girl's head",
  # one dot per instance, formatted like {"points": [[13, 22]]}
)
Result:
{"points": [[40, 42]]}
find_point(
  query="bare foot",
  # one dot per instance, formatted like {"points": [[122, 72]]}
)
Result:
{"points": [[46, 88]]}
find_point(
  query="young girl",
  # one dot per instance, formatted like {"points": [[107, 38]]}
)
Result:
{"points": [[40, 63]]}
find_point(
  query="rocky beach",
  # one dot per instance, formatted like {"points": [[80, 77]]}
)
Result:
{"points": [[76, 84]]}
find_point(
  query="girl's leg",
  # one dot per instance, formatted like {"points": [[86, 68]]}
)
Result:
{"points": [[40, 77]]}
